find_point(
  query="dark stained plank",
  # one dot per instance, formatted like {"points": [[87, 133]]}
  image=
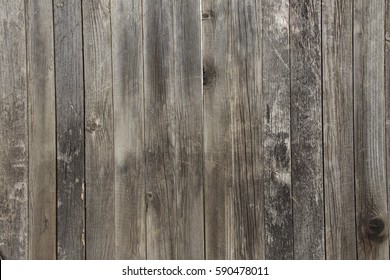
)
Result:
{"points": [[387, 89], [173, 129], [306, 129], [234, 221], [70, 129], [13, 132], [276, 130], [42, 135], [99, 131], [127, 53], [338, 129], [369, 99]]}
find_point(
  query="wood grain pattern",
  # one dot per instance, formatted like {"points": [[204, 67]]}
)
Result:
{"points": [[173, 129], [70, 128], [387, 90], [99, 129], [337, 19], [13, 133], [276, 131], [232, 130], [42, 136], [306, 129], [369, 97], [130, 206]]}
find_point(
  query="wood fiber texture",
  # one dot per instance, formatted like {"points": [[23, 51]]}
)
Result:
{"points": [[195, 129]]}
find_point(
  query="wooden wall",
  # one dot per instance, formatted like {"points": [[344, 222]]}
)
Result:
{"points": [[194, 129]]}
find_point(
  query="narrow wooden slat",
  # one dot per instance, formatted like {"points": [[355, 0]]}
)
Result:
{"points": [[369, 97], [173, 129], [306, 129], [127, 52], [387, 89], [70, 129], [13, 132], [232, 129], [42, 137], [99, 131], [338, 129], [276, 131]]}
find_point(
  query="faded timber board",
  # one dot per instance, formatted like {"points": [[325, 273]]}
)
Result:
{"points": [[13, 133], [99, 131], [276, 131], [369, 100], [42, 137], [127, 53], [387, 89], [70, 128], [306, 129], [173, 129], [337, 22], [232, 129]]}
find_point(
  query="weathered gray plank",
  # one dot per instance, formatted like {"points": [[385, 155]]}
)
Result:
{"points": [[70, 129], [306, 129], [369, 96], [13, 132], [173, 129], [387, 89], [130, 223], [338, 129], [99, 131], [276, 130], [42, 137], [232, 129]]}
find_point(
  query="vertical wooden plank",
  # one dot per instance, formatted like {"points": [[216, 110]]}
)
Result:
{"points": [[306, 129], [42, 136], [338, 129], [232, 129], [70, 129], [369, 96], [173, 129], [99, 138], [127, 52], [13, 132], [387, 89], [276, 131]]}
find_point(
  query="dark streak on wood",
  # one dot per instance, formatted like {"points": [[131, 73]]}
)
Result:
{"points": [[306, 129], [70, 128]]}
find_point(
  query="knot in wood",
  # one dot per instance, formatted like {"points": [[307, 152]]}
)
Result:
{"points": [[208, 15], [209, 76], [375, 228], [93, 125]]}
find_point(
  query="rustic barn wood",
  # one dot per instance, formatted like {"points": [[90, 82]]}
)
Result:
{"points": [[337, 80], [194, 129], [42, 130]]}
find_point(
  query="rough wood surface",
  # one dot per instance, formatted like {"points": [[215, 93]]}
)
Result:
{"points": [[70, 129], [127, 53], [306, 129], [337, 19], [232, 129], [99, 130], [42, 137], [369, 97], [173, 129], [13, 132], [387, 90], [276, 131]]}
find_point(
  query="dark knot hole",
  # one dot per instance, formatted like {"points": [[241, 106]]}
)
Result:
{"points": [[375, 228]]}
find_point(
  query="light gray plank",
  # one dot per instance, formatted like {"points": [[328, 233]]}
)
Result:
{"points": [[306, 129], [173, 129], [387, 89], [276, 130], [130, 223], [42, 137], [99, 131], [70, 129], [13, 132], [369, 97], [232, 129], [338, 129]]}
